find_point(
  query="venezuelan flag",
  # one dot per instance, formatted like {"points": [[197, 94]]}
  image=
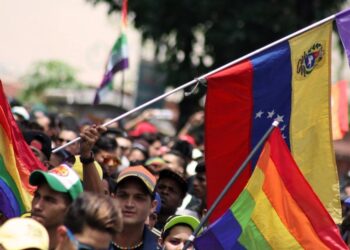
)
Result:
{"points": [[16, 163], [277, 210], [289, 82]]}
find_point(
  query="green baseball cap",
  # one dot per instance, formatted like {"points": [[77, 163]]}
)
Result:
{"points": [[62, 179], [175, 220]]}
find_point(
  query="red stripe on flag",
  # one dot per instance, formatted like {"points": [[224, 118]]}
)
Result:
{"points": [[302, 192], [26, 161], [226, 89]]}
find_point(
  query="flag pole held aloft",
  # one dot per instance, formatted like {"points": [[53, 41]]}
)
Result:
{"points": [[185, 85], [230, 183], [130, 112], [277, 83]]}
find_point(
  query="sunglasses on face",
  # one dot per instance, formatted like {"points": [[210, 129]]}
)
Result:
{"points": [[107, 159], [81, 246]]}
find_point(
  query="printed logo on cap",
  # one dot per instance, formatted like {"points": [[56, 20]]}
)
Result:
{"points": [[65, 175], [60, 171]]}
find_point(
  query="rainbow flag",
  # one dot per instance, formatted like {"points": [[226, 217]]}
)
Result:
{"points": [[17, 161], [276, 210], [118, 59], [340, 121], [289, 82]]}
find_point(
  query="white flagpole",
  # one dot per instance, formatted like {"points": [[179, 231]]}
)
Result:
{"points": [[122, 90], [202, 78]]}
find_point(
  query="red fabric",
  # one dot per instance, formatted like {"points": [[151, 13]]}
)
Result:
{"points": [[142, 128], [302, 192], [26, 161], [188, 138], [222, 157]]}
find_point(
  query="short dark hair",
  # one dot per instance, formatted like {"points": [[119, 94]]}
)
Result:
{"points": [[200, 168], [184, 148], [68, 199], [181, 159], [41, 139], [150, 138], [142, 146], [115, 132], [94, 210], [111, 182], [105, 143]]}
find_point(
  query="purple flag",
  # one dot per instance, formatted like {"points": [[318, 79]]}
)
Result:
{"points": [[343, 25], [118, 60]]}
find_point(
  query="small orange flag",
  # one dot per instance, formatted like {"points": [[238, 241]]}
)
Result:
{"points": [[340, 122]]}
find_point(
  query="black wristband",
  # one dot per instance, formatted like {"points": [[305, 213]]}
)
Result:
{"points": [[89, 160]]}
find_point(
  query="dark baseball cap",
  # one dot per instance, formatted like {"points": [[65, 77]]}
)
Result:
{"points": [[39, 141], [167, 173]]}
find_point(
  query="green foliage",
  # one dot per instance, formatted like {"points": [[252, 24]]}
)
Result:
{"points": [[229, 29], [48, 74], [198, 36]]}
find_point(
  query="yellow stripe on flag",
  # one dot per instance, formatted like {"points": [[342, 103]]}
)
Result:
{"points": [[266, 219], [6, 150], [310, 131], [288, 210]]}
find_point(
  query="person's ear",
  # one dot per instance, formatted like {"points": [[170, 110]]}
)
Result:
{"points": [[63, 241], [62, 238], [61, 233], [153, 206]]}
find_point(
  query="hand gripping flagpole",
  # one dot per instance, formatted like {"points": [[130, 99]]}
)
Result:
{"points": [[230, 183], [131, 111], [202, 78]]}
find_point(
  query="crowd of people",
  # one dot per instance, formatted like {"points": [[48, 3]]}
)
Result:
{"points": [[125, 186]]}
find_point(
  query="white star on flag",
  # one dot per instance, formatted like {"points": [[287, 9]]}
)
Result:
{"points": [[270, 114], [259, 114], [283, 128], [279, 118]]}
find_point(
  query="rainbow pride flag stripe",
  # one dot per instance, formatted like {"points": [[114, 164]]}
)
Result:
{"points": [[289, 82], [276, 210], [17, 161]]}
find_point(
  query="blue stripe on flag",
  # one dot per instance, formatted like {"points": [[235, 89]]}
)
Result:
{"points": [[271, 92], [223, 235]]}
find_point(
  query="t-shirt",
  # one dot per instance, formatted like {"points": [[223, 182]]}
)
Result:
{"points": [[149, 241], [78, 168]]}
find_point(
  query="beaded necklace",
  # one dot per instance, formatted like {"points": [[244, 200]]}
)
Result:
{"points": [[128, 248]]}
